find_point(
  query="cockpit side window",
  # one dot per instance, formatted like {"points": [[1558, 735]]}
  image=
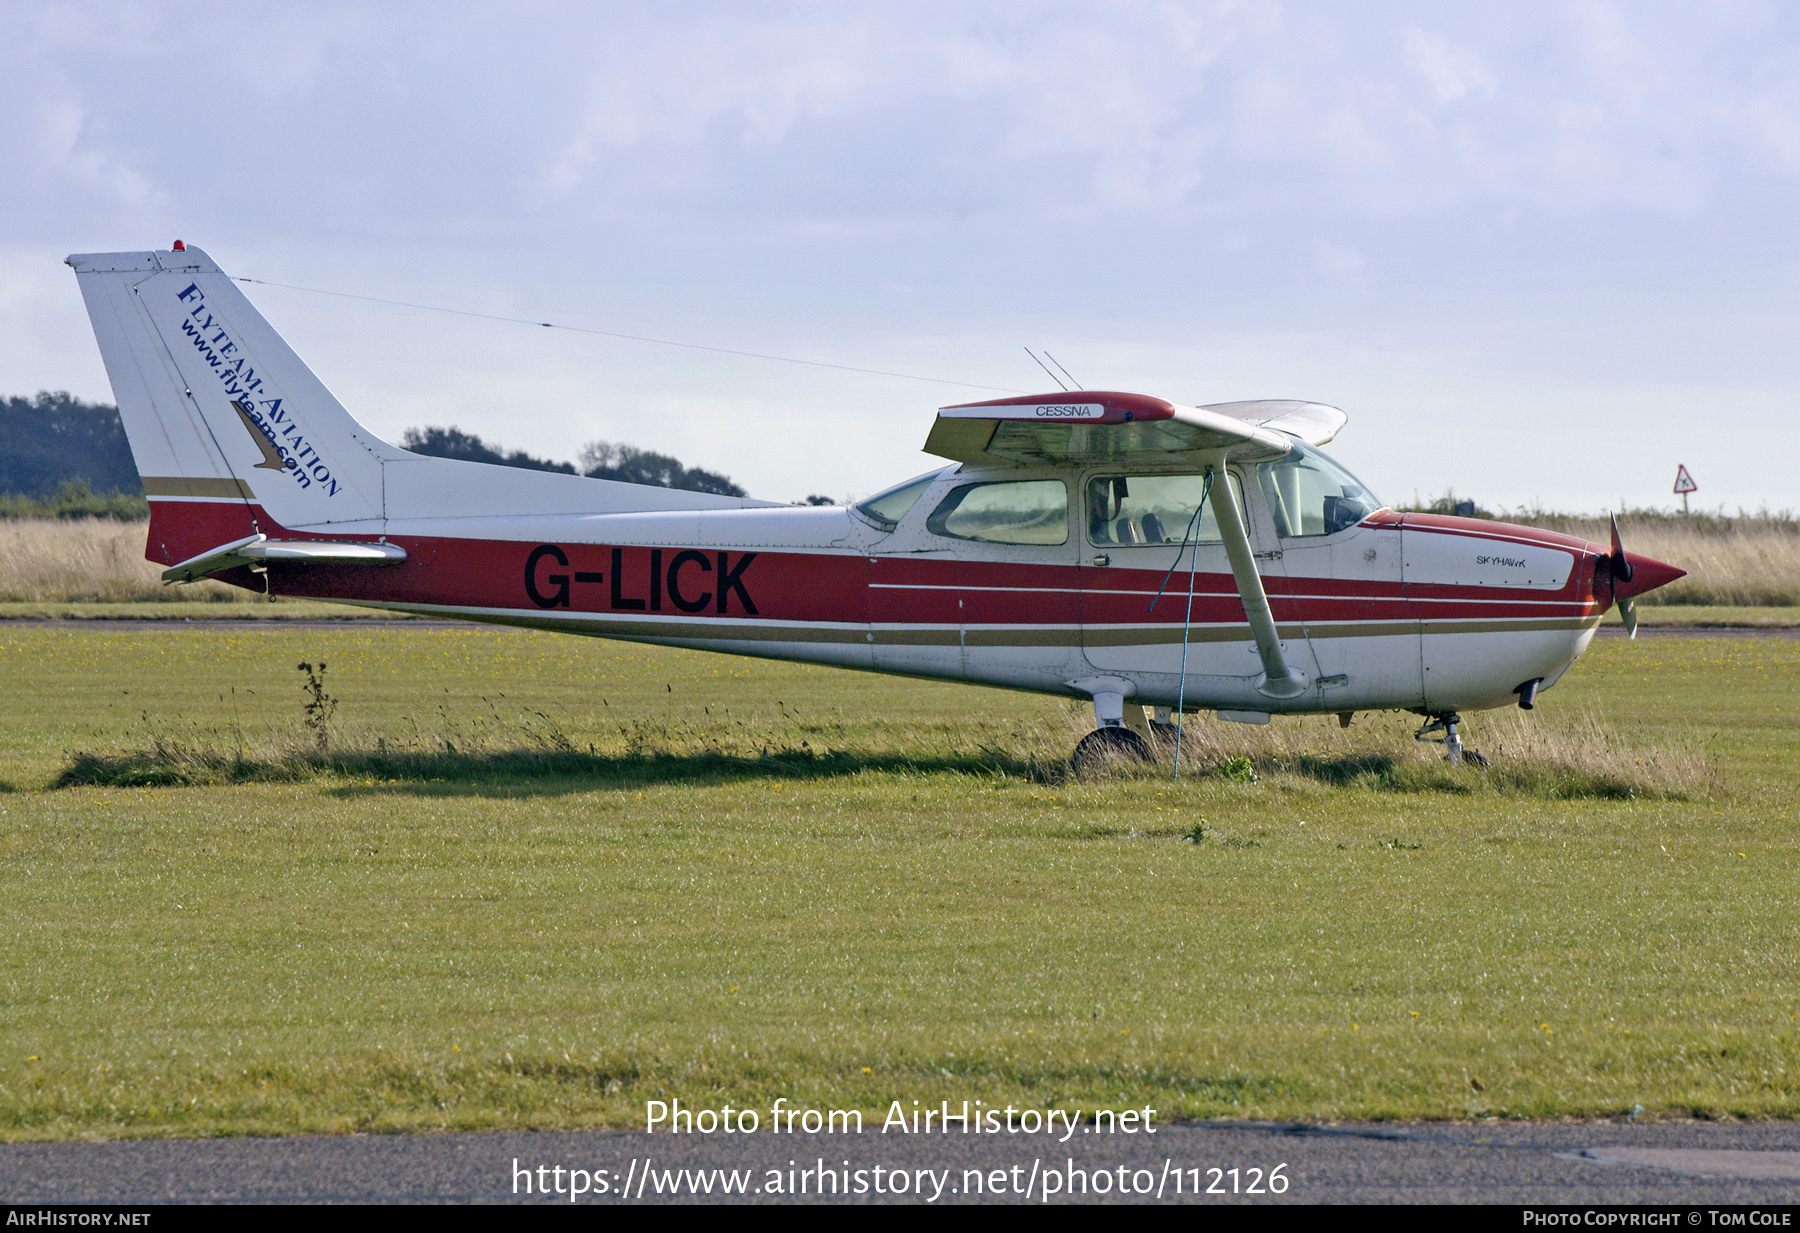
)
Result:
{"points": [[1309, 494], [1150, 509]]}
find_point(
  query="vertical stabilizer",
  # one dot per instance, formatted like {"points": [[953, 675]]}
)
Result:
{"points": [[218, 409], [235, 437]]}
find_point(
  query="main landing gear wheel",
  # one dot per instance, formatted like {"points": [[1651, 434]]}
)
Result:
{"points": [[1105, 745], [1164, 733]]}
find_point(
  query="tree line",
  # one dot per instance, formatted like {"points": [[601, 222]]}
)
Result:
{"points": [[54, 440], [61, 457], [598, 460]]}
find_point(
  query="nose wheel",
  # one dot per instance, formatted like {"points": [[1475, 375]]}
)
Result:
{"points": [[1449, 724]]}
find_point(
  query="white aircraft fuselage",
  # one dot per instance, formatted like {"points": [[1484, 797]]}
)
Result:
{"points": [[1408, 611], [1056, 559]]}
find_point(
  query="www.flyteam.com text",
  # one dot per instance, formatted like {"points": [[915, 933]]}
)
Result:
{"points": [[966, 1117], [641, 1179]]}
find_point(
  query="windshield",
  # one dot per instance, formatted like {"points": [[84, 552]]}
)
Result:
{"points": [[1309, 494]]}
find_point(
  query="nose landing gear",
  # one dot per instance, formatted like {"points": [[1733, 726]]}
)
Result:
{"points": [[1454, 753]]}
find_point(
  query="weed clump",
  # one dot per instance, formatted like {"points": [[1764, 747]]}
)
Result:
{"points": [[320, 706], [1239, 768]]}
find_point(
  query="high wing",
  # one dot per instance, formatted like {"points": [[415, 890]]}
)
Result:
{"points": [[1109, 426], [1106, 426]]}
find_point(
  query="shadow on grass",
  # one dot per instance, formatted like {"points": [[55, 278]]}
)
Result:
{"points": [[554, 771]]}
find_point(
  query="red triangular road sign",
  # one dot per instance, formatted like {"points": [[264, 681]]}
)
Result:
{"points": [[1684, 483]]}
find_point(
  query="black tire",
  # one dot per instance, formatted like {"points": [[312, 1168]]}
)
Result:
{"points": [[1162, 735], [1107, 745], [1474, 758]]}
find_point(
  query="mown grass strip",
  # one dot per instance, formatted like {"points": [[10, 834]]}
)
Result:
{"points": [[739, 881]]}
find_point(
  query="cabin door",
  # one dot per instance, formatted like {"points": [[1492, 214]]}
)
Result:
{"points": [[1132, 532]]}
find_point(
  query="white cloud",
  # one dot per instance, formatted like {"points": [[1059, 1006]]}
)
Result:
{"points": [[56, 153], [69, 152], [930, 185], [1453, 73]]}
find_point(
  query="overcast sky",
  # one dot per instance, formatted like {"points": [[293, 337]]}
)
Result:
{"points": [[1538, 252]]}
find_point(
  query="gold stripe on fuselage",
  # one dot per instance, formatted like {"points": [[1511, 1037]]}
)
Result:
{"points": [[977, 636]]}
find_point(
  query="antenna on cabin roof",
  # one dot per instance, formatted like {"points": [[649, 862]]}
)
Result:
{"points": [[1046, 368], [1065, 372]]}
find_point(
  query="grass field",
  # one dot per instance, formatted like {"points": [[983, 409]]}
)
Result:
{"points": [[537, 881]]}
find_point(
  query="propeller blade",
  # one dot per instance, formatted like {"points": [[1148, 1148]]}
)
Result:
{"points": [[1621, 564], [1631, 576]]}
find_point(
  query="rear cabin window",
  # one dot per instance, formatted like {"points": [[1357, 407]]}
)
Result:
{"points": [[1007, 512], [890, 506]]}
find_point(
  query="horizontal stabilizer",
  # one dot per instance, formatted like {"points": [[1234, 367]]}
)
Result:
{"points": [[261, 550]]}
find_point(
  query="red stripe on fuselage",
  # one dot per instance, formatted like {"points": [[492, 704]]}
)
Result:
{"points": [[847, 588], [703, 583]]}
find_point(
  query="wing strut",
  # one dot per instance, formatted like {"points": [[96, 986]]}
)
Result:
{"points": [[1279, 681]]}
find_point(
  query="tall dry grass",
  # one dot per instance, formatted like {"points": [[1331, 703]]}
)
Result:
{"points": [[1744, 561], [1560, 757], [1751, 560], [85, 560], [1564, 757]]}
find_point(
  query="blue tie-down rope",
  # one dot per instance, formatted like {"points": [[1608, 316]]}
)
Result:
{"points": [[1187, 621]]}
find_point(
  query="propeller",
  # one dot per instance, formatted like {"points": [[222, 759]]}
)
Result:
{"points": [[1619, 565], [1631, 575]]}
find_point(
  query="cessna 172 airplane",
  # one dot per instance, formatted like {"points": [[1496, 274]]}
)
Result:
{"points": [[1113, 546]]}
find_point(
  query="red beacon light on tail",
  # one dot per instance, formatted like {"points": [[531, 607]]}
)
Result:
{"points": [[178, 247]]}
